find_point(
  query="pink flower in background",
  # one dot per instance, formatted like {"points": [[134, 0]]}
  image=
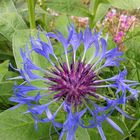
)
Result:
{"points": [[81, 21], [126, 22], [123, 18], [119, 37], [119, 22], [131, 19], [124, 26], [84, 20], [111, 14]]}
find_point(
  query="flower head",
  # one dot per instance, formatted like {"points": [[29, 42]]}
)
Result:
{"points": [[74, 83], [118, 25], [111, 14], [80, 21], [119, 37]]}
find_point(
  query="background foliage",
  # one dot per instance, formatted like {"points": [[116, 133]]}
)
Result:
{"points": [[19, 19]]}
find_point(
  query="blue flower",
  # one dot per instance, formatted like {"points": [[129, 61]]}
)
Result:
{"points": [[74, 84]]}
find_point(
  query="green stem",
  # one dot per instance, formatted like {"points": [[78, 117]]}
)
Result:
{"points": [[44, 16], [31, 9], [94, 10], [135, 125], [123, 117]]}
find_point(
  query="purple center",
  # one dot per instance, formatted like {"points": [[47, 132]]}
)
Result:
{"points": [[74, 84]]}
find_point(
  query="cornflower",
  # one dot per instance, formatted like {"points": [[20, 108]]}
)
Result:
{"points": [[74, 83]]}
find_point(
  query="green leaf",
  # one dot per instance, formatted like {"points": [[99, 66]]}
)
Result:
{"points": [[6, 90], [10, 20], [61, 24], [5, 49], [94, 5], [98, 8], [6, 87], [22, 7], [20, 39], [17, 126], [125, 4], [82, 134], [3, 69], [132, 54], [70, 7], [101, 11]]}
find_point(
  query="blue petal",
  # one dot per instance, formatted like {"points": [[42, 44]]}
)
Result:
{"points": [[76, 40], [113, 53], [123, 113], [101, 132], [24, 88], [38, 109], [42, 48], [88, 38], [113, 124], [61, 38], [104, 46]]}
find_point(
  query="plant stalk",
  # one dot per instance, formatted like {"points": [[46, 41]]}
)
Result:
{"points": [[31, 10], [44, 16]]}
